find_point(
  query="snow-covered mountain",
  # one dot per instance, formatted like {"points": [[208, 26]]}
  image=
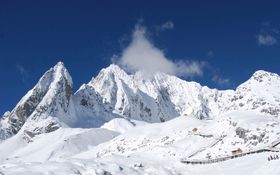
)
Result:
{"points": [[114, 93], [118, 118], [162, 97]]}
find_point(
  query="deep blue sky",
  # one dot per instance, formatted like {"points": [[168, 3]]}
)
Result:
{"points": [[34, 35]]}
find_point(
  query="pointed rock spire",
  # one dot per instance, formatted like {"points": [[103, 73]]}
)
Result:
{"points": [[49, 97]]}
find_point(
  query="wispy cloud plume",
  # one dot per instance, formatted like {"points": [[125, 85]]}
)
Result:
{"points": [[222, 82], [23, 73], [168, 25], [210, 54], [266, 40], [141, 54], [268, 35]]}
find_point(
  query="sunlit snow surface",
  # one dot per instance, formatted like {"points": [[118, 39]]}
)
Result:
{"points": [[142, 148]]}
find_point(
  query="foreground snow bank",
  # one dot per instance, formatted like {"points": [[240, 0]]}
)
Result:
{"points": [[119, 165], [129, 147], [56, 145], [122, 125]]}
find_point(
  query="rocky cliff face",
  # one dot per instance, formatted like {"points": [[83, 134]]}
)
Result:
{"points": [[114, 93]]}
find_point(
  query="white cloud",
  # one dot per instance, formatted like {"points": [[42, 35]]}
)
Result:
{"points": [[268, 35], [168, 25], [141, 54], [266, 40], [189, 68], [223, 82]]}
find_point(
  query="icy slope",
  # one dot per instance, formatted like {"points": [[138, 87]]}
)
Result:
{"points": [[56, 145]]}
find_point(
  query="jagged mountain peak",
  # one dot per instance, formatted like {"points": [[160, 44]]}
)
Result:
{"points": [[261, 80], [264, 72], [262, 76], [57, 73], [61, 70], [60, 64], [50, 97], [111, 72], [114, 69]]}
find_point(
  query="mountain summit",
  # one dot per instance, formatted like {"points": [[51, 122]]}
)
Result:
{"points": [[42, 107]]}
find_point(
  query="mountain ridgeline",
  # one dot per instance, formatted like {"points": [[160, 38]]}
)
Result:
{"points": [[51, 104]]}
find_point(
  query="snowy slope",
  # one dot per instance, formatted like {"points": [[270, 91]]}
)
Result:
{"points": [[56, 145], [121, 125], [150, 148], [253, 164], [213, 138]]}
